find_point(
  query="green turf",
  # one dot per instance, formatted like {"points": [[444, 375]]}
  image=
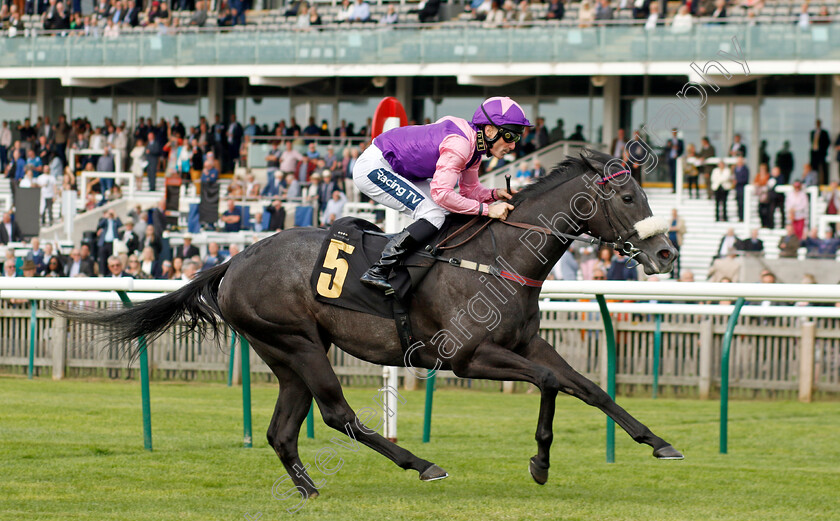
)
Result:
{"points": [[73, 450]]}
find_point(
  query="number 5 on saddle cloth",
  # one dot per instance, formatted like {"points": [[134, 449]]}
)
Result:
{"points": [[352, 245]]}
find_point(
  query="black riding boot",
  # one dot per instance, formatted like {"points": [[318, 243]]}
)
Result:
{"points": [[405, 242]]}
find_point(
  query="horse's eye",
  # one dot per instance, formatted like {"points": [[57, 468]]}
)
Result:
{"points": [[627, 198]]}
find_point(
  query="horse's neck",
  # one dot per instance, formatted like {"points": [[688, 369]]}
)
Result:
{"points": [[532, 253]]}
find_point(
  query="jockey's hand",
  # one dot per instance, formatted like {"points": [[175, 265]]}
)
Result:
{"points": [[499, 210], [501, 193]]}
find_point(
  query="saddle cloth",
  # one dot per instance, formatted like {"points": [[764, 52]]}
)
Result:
{"points": [[352, 245]]}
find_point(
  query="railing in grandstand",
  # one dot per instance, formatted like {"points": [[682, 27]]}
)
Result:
{"points": [[537, 42]]}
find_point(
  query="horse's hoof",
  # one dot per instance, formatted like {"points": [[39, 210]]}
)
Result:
{"points": [[539, 473], [667, 452], [433, 473], [313, 495]]}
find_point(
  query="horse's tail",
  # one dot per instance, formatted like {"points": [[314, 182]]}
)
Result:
{"points": [[195, 303]]}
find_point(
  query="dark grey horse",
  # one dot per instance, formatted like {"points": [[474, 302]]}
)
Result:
{"points": [[476, 324]]}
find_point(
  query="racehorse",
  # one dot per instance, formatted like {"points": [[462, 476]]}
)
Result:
{"points": [[264, 293]]}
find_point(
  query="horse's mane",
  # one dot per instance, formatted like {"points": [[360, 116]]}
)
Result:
{"points": [[566, 170]]}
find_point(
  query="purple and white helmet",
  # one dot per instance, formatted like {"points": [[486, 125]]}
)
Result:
{"points": [[501, 112]]}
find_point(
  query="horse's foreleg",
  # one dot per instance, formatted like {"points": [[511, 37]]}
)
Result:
{"points": [[577, 385], [493, 362], [292, 406]]}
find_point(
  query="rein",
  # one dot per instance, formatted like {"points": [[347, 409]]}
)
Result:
{"points": [[620, 244]]}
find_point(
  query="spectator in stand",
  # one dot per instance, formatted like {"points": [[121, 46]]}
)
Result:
{"points": [[360, 12], [115, 267], [166, 270], [187, 250], [643, 8], [753, 244], [674, 149], [289, 159], [154, 149], [682, 21], [832, 203], [311, 130], [726, 267], [558, 133], [149, 263], [578, 134], [586, 15], [764, 196], [619, 269], [291, 188], [618, 144], [676, 231], [129, 237], [777, 198], [334, 208], [5, 144], [691, 170], [151, 238], [107, 231], [721, 181], [9, 230], [742, 179], [46, 181], [199, 16], [177, 269], [720, 10], [809, 176], [234, 138], [54, 268], [213, 258], [738, 149], [189, 269], [796, 207], [653, 18], [79, 266], [728, 242], [821, 248], [36, 254], [277, 221], [105, 163], [390, 16], [707, 151], [232, 217], [804, 20], [784, 160], [603, 10]]}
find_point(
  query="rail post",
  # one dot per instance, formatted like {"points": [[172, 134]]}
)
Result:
{"points": [[427, 415], [724, 374], [608, 331], [310, 421], [246, 390], [232, 356], [32, 329], [657, 353], [144, 381]]}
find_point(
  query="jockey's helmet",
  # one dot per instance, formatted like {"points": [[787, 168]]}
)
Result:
{"points": [[503, 113]]}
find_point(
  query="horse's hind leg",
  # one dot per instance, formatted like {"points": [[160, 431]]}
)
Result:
{"points": [[292, 406], [577, 385], [310, 362]]}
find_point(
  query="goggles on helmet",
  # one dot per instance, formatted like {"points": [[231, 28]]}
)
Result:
{"points": [[510, 135]]}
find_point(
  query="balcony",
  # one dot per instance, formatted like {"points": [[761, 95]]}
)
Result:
{"points": [[458, 44]]}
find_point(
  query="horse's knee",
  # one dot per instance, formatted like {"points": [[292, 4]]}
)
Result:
{"points": [[549, 383]]}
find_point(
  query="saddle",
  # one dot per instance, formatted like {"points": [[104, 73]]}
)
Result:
{"points": [[351, 247]]}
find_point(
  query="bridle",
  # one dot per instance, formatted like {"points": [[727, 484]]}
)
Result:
{"points": [[623, 233]]}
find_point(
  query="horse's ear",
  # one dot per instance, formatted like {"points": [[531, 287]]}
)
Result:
{"points": [[593, 159]]}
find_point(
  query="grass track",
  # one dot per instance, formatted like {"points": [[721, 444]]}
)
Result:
{"points": [[73, 450]]}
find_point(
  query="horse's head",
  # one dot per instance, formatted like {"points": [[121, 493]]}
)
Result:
{"points": [[622, 215]]}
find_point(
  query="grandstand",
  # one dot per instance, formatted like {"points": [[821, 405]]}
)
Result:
{"points": [[765, 70]]}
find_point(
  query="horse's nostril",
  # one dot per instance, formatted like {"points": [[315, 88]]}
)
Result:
{"points": [[665, 254]]}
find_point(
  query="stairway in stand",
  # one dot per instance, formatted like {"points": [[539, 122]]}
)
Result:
{"points": [[703, 234]]}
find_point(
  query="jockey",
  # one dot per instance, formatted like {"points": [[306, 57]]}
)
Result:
{"points": [[415, 170]]}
